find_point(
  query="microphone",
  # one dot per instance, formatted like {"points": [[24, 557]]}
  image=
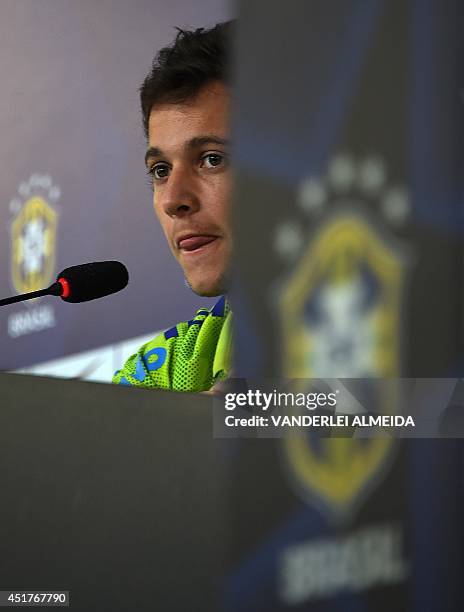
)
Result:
{"points": [[92, 280], [82, 283]]}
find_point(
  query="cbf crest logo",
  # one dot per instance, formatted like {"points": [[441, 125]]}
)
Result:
{"points": [[33, 234], [340, 317]]}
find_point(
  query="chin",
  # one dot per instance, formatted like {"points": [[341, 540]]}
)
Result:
{"points": [[205, 288]]}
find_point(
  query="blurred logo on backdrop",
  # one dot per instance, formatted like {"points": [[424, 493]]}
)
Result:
{"points": [[342, 304], [340, 316], [33, 232]]}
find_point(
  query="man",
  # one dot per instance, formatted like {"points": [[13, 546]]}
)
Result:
{"points": [[185, 107]]}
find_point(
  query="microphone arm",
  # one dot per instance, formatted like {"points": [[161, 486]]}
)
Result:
{"points": [[55, 289]]}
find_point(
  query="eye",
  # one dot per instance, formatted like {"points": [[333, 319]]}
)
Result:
{"points": [[213, 160], [158, 171]]}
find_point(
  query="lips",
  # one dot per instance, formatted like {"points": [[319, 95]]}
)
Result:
{"points": [[192, 243]]}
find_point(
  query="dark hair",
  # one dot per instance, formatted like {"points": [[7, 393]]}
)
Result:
{"points": [[179, 71]]}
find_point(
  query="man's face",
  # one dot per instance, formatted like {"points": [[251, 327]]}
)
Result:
{"points": [[188, 163]]}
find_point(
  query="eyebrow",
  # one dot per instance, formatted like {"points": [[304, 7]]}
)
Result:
{"points": [[193, 143]]}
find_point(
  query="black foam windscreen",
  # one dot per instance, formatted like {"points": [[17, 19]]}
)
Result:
{"points": [[92, 280]]}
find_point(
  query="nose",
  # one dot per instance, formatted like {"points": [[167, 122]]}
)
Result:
{"points": [[178, 196]]}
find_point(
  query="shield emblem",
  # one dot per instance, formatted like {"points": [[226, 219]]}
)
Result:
{"points": [[33, 238], [340, 315]]}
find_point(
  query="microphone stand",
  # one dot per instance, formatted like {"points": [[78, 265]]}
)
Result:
{"points": [[55, 289]]}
